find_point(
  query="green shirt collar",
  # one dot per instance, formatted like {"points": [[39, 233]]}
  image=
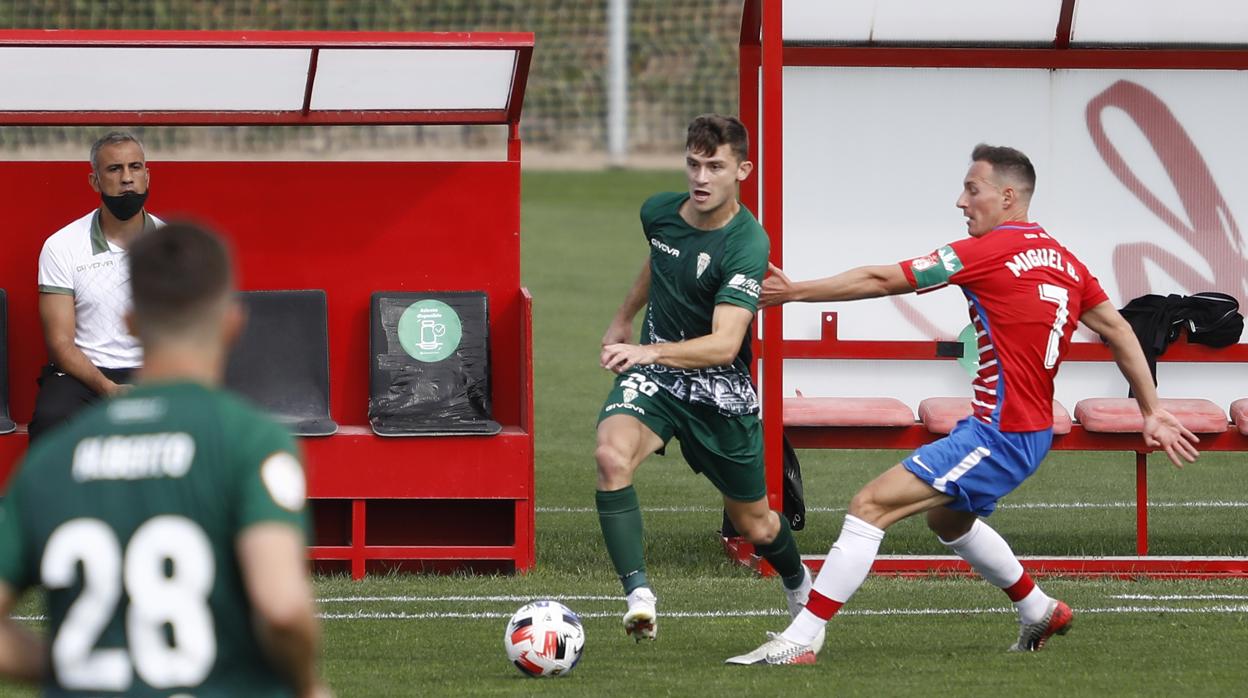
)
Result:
{"points": [[99, 243]]}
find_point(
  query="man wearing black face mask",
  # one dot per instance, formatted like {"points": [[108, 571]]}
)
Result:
{"points": [[84, 289]]}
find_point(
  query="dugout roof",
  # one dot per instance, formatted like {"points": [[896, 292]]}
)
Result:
{"points": [[253, 78], [1053, 23]]}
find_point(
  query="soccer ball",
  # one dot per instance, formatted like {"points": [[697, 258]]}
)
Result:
{"points": [[544, 638]]}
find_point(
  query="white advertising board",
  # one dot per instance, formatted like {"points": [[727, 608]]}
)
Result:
{"points": [[1138, 173]]}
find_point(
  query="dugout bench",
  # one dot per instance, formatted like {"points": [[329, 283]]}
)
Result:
{"points": [[349, 227], [1098, 424], [828, 90]]}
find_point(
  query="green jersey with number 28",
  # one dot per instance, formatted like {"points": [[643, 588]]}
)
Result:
{"points": [[128, 517]]}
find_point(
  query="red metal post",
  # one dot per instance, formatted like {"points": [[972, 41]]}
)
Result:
{"points": [[1065, 23], [1141, 503], [358, 533], [519, 81], [311, 82], [772, 162], [749, 61]]}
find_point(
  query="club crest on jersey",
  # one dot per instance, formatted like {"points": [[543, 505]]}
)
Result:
{"points": [[629, 395], [704, 261], [924, 263]]}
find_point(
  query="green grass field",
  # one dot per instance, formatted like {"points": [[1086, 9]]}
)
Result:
{"points": [[424, 635]]}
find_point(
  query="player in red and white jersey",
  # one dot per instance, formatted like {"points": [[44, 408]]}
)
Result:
{"points": [[1025, 292]]}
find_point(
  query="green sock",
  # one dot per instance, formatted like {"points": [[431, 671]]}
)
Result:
{"points": [[782, 554], [619, 514]]}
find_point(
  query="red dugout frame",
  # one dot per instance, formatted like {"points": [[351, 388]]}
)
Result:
{"points": [[351, 228], [762, 59]]}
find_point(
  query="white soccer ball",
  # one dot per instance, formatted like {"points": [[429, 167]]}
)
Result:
{"points": [[544, 638]]}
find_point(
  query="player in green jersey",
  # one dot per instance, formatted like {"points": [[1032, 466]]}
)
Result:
{"points": [[687, 378], [167, 526]]}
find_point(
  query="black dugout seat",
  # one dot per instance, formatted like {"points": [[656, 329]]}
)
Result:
{"points": [[281, 361]]}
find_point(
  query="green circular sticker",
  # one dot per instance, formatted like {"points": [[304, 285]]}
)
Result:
{"points": [[429, 330]]}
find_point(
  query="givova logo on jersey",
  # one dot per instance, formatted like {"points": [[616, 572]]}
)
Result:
{"points": [[634, 384], [748, 286]]}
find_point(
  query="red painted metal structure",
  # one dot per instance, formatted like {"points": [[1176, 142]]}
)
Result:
{"points": [[763, 57], [350, 228]]}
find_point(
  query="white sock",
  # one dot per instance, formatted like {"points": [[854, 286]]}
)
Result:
{"points": [[1031, 608], [844, 570], [990, 556]]}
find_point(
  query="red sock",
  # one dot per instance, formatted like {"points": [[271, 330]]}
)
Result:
{"points": [[1018, 590], [822, 606]]}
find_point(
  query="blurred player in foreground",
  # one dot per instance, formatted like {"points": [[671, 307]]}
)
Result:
{"points": [[167, 525], [687, 378], [1025, 294]]}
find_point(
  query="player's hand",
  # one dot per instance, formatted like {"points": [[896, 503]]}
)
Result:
{"points": [[617, 333], [776, 287], [1162, 430], [618, 358], [112, 389], [319, 690]]}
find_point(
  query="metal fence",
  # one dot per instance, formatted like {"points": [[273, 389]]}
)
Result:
{"points": [[681, 61]]}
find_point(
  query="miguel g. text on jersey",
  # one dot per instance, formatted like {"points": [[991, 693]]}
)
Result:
{"points": [[1040, 257]]}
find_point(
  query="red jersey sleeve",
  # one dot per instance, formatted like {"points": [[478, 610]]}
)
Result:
{"points": [[1093, 294], [938, 268]]}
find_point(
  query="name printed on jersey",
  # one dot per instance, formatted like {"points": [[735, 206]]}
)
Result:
{"points": [[137, 457], [1040, 257]]}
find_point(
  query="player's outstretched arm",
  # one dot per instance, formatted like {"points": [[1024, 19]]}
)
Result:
{"points": [[621, 327], [729, 324], [22, 654], [852, 285], [274, 570], [1161, 429]]}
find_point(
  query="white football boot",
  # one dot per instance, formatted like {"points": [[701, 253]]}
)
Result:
{"points": [[777, 650], [641, 621], [796, 600]]}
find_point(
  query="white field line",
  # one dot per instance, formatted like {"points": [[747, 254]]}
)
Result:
{"points": [[526, 598], [1216, 504], [756, 613], [779, 613], [1181, 597], [432, 599]]}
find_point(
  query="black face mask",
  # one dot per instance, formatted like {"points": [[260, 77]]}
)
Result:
{"points": [[124, 207]]}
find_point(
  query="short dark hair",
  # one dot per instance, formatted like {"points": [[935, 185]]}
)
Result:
{"points": [[1008, 162], [113, 138], [177, 273], [709, 131]]}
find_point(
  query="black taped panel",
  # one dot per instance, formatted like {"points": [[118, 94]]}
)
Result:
{"points": [[430, 371]]}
